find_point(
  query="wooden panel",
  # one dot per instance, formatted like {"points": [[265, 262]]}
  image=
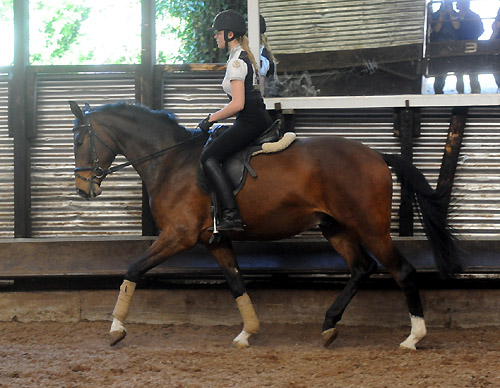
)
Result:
{"points": [[111, 257]]}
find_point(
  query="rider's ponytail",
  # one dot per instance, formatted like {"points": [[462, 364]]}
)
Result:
{"points": [[245, 46]]}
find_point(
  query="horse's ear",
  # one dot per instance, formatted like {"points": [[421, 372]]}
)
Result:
{"points": [[86, 107], [75, 109]]}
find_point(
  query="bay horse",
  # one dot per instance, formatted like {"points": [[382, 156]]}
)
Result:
{"points": [[341, 186]]}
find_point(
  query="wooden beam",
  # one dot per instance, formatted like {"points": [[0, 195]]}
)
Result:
{"points": [[459, 48], [144, 86], [461, 56], [481, 64], [145, 92], [195, 67], [54, 257], [452, 151], [385, 101], [406, 126], [17, 122]]}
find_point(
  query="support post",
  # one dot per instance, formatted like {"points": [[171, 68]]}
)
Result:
{"points": [[254, 29], [406, 126], [452, 152], [144, 92], [286, 118], [17, 122]]}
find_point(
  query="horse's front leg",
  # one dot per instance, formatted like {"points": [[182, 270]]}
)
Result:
{"points": [[224, 254], [167, 245]]}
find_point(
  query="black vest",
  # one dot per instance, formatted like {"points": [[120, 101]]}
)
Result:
{"points": [[253, 98]]}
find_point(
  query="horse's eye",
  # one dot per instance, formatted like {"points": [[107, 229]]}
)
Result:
{"points": [[78, 139]]}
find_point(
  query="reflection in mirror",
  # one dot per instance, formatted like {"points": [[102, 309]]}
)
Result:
{"points": [[378, 48]]}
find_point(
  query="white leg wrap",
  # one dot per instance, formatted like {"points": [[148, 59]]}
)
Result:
{"points": [[250, 321], [418, 332], [241, 341], [117, 332], [117, 326], [124, 298]]}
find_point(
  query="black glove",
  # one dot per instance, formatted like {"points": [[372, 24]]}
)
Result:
{"points": [[205, 125]]}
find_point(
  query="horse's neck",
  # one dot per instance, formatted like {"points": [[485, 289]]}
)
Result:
{"points": [[134, 140], [137, 143]]}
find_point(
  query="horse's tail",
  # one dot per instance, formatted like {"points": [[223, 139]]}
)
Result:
{"points": [[433, 207]]}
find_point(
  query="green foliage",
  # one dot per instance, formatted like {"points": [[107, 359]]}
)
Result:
{"points": [[6, 11], [7, 32], [68, 31], [195, 18], [71, 32], [60, 27]]}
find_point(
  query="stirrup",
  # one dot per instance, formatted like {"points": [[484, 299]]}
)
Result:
{"points": [[231, 221], [231, 226]]}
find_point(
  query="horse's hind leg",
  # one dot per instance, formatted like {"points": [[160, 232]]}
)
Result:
{"points": [[361, 266], [405, 275], [224, 254]]}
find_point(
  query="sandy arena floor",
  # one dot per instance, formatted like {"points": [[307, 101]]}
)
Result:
{"points": [[78, 355]]}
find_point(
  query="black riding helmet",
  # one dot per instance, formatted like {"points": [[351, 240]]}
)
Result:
{"points": [[230, 20], [263, 26]]}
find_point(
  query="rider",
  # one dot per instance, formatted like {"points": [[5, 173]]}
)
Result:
{"points": [[245, 101], [267, 62]]}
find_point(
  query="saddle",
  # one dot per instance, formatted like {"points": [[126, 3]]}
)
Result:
{"points": [[237, 167]]}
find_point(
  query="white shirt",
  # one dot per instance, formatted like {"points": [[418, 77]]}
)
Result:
{"points": [[236, 69], [264, 63]]}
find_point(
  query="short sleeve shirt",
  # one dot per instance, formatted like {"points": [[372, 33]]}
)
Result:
{"points": [[264, 62], [236, 69]]}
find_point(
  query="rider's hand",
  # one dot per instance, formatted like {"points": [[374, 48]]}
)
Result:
{"points": [[205, 125]]}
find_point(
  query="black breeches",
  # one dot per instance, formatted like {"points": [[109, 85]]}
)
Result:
{"points": [[235, 138]]}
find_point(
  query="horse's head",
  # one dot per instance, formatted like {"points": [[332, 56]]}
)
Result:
{"points": [[93, 154]]}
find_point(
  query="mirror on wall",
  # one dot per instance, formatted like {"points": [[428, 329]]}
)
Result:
{"points": [[389, 47]]}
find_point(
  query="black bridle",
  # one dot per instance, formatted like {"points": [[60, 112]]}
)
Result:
{"points": [[98, 173]]}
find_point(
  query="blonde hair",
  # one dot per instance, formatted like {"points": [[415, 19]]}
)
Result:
{"points": [[265, 42], [243, 40]]}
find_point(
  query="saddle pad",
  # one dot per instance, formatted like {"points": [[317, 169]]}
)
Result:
{"points": [[277, 146], [238, 166]]}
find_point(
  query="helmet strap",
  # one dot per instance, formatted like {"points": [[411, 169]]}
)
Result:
{"points": [[227, 39]]}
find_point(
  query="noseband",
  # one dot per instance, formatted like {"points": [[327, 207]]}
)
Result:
{"points": [[98, 173]]}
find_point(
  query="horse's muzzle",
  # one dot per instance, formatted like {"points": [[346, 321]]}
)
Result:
{"points": [[93, 191]]}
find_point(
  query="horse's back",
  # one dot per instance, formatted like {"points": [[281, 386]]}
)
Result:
{"points": [[317, 177], [343, 165], [326, 157]]}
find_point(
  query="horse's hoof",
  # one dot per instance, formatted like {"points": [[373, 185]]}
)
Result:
{"points": [[408, 344], [240, 344], [329, 336], [404, 347], [116, 336]]}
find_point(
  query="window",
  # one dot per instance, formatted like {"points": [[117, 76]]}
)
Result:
{"points": [[71, 32], [7, 32]]}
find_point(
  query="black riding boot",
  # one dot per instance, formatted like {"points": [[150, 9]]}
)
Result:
{"points": [[231, 218]]}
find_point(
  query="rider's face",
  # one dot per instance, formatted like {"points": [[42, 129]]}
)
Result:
{"points": [[219, 38]]}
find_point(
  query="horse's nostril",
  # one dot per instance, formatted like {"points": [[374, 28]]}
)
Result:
{"points": [[83, 194]]}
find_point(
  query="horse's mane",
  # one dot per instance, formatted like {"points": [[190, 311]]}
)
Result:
{"points": [[138, 112]]}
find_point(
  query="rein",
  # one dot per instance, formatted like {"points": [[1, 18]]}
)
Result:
{"points": [[99, 172]]}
